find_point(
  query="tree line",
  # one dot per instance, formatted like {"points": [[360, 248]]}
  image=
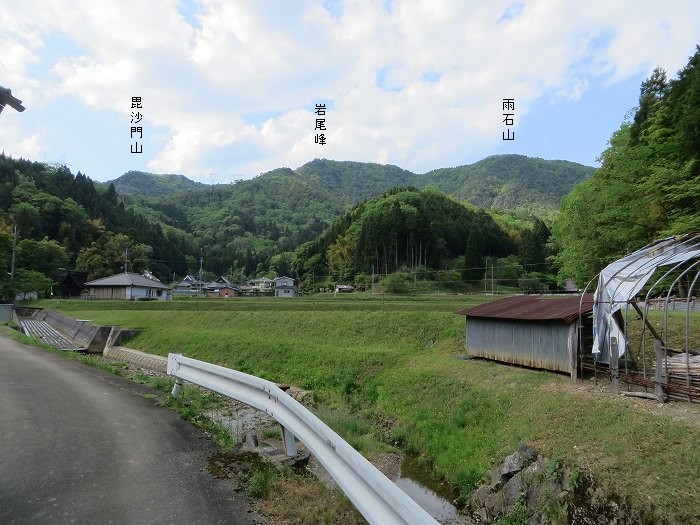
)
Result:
{"points": [[409, 231], [648, 185]]}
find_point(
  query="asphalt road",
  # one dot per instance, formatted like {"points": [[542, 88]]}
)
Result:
{"points": [[78, 445]]}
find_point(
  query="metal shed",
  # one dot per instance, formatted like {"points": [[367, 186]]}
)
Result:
{"points": [[538, 331]]}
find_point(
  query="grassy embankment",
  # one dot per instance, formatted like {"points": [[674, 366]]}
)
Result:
{"points": [[385, 373]]}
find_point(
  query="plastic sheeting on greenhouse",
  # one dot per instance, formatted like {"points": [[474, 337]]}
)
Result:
{"points": [[621, 281]]}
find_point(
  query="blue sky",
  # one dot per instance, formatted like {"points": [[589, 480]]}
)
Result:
{"points": [[228, 88]]}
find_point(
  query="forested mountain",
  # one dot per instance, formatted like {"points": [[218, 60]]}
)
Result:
{"points": [[355, 181], [245, 227], [509, 182], [62, 220], [648, 185], [153, 185], [506, 182], [253, 226]]}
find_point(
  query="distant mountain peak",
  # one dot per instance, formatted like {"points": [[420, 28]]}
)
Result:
{"points": [[147, 184]]}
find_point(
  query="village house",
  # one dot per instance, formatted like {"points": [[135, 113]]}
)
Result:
{"points": [[128, 286], [221, 287], [189, 285], [284, 287]]}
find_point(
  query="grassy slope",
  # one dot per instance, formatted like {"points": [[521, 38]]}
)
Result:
{"points": [[378, 359]]}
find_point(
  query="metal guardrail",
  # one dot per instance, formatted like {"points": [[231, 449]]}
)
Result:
{"points": [[373, 494]]}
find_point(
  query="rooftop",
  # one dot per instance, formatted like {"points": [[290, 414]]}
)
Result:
{"points": [[127, 279], [532, 308]]}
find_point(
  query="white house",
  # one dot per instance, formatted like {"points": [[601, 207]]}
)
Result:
{"points": [[284, 287]]}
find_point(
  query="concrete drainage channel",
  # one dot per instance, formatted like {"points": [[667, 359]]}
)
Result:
{"points": [[248, 426]]}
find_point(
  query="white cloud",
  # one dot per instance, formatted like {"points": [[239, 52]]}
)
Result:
{"points": [[445, 66], [17, 143]]}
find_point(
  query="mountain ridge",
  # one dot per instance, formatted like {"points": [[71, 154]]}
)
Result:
{"points": [[496, 182]]}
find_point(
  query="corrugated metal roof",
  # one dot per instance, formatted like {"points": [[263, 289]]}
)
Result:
{"points": [[532, 308], [127, 279]]}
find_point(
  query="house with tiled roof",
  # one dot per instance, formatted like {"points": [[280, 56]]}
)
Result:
{"points": [[129, 287]]}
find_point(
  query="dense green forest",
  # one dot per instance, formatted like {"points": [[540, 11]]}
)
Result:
{"points": [[251, 227], [57, 219], [510, 182], [424, 234], [648, 185]]}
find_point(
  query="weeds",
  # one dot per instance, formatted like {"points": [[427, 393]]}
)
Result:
{"points": [[575, 479], [261, 481], [517, 516], [554, 470], [272, 432]]}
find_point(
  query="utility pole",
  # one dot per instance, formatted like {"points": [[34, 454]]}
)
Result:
{"points": [[12, 266], [201, 262], [372, 292]]}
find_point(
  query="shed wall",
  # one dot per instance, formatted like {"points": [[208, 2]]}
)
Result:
{"points": [[538, 345]]}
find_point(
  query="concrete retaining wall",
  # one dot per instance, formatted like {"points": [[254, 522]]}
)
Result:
{"points": [[134, 357], [6, 313], [98, 339], [91, 336], [118, 336]]}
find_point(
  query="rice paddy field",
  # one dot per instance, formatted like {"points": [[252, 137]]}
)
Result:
{"points": [[386, 372]]}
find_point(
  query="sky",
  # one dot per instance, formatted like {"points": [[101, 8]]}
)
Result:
{"points": [[228, 88]]}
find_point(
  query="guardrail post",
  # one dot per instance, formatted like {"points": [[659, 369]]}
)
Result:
{"points": [[290, 445], [173, 367], [177, 388]]}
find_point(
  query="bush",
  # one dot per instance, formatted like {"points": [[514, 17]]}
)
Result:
{"points": [[396, 283]]}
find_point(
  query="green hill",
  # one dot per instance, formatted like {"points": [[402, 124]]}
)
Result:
{"points": [[403, 229], [152, 184], [355, 181], [509, 182], [242, 226]]}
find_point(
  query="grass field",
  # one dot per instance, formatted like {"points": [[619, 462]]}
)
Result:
{"points": [[384, 373]]}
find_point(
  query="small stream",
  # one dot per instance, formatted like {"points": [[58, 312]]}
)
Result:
{"points": [[434, 497]]}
